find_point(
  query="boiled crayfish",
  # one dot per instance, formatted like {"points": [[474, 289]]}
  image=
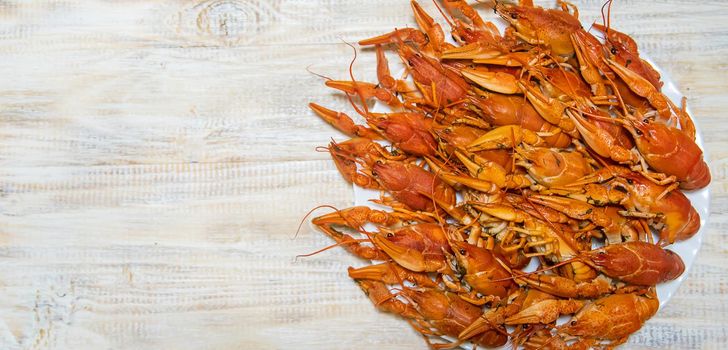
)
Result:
{"points": [[499, 149]]}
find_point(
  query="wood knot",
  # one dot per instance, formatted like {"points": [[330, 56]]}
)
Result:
{"points": [[227, 22]]}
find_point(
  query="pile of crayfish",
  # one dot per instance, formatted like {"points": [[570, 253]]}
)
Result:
{"points": [[549, 142]]}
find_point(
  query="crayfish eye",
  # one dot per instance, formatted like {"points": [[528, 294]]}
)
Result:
{"points": [[638, 132], [390, 235], [573, 323], [462, 251], [514, 15], [613, 51], [629, 181], [448, 130], [602, 253], [375, 174], [621, 188]]}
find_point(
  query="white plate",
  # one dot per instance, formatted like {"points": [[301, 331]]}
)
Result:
{"points": [[700, 199], [687, 249]]}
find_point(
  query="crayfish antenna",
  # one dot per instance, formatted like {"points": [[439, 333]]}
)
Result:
{"points": [[439, 9], [606, 20], [300, 224], [365, 112], [331, 246], [519, 274], [308, 69]]}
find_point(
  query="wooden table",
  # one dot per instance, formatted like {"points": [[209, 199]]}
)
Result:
{"points": [[157, 156]]}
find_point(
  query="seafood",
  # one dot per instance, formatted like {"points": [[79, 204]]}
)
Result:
{"points": [[636, 263], [539, 26], [671, 151], [612, 318], [433, 312], [625, 50], [504, 110], [480, 269], [640, 196], [504, 148]]}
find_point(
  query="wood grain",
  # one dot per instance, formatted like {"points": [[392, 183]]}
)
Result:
{"points": [[157, 156]]}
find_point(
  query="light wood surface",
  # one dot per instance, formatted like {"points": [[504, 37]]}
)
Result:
{"points": [[157, 156]]}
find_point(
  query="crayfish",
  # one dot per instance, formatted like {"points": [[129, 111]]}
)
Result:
{"points": [[497, 150]]}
